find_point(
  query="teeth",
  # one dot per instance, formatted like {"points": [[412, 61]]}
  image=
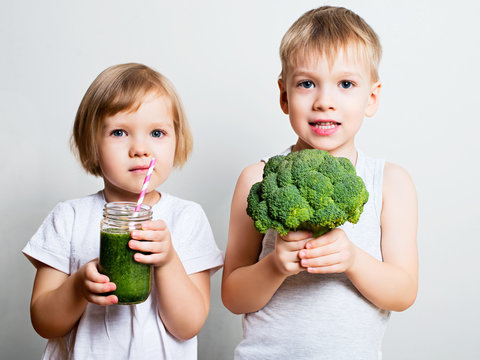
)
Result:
{"points": [[325, 125]]}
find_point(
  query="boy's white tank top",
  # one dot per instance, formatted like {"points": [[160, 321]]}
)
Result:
{"points": [[316, 316]]}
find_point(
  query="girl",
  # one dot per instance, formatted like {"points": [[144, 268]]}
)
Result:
{"points": [[129, 115]]}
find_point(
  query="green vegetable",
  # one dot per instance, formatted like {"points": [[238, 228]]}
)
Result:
{"points": [[306, 190]]}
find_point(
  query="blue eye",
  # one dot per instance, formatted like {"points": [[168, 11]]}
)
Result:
{"points": [[307, 84], [118, 133], [157, 133], [345, 84]]}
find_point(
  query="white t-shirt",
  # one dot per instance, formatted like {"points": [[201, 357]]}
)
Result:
{"points": [[70, 237]]}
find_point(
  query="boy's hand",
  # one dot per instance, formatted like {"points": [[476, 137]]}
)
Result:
{"points": [[91, 284], [329, 253], [287, 251], [158, 243]]}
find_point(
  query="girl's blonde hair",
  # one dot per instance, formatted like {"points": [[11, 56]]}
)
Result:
{"points": [[122, 88], [325, 31]]}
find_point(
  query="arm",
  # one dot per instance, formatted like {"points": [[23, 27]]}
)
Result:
{"points": [[248, 284], [183, 300], [59, 300], [389, 284]]}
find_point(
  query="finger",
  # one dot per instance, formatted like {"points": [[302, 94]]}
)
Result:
{"points": [[321, 241], [291, 245], [151, 235], [92, 273], [323, 261], [295, 268], [152, 259], [99, 288], [158, 225], [332, 269], [315, 252], [148, 246], [297, 235], [291, 256], [288, 264], [103, 300], [286, 256]]}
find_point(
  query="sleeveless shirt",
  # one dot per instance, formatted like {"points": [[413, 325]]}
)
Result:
{"points": [[323, 316]]}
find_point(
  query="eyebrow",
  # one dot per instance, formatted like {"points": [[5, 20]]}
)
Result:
{"points": [[301, 72], [304, 72], [350, 74], [162, 123]]}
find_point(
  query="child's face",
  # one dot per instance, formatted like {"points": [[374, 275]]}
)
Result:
{"points": [[127, 143], [327, 104]]}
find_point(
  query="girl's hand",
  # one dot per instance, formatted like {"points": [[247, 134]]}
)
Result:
{"points": [[330, 253], [91, 285], [158, 243], [287, 249]]}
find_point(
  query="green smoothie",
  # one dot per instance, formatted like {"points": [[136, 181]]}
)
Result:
{"points": [[116, 261]]}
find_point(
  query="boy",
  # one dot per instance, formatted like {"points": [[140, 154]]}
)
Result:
{"points": [[327, 297]]}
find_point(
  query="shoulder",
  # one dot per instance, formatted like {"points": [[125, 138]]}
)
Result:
{"points": [[395, 175], [178, 210], [254, 173], [67, 214], [397, 183], [74, 207], [69, 221], [74, 213], [251, 175], [188, 224], [82, 202], [177, 203]]}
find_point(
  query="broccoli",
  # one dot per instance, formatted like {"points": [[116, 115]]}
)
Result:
{"points": [[306, 190]]}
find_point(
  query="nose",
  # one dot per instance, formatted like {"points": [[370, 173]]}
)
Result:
{"points": [[139, 148], [324, 99]]}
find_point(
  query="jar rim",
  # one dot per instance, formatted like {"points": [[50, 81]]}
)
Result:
{"points": [[126, 205], [125, 211]]}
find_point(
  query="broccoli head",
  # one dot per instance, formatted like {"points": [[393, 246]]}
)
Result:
{"points": [[306, 190]]}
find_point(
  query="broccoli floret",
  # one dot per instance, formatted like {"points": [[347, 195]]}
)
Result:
{"points": [[306, 190]]}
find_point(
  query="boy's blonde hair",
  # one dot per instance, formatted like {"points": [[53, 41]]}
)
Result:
{"points": [[122, 88], [325, 31]]}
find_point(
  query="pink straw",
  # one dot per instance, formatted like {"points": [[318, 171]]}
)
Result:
{"points": [[145, 184]]}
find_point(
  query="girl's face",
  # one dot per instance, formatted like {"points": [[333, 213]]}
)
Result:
{"points": [[326, 102], [128, 141]]}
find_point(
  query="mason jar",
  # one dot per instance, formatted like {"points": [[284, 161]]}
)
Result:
{"points": [[133, 279]]}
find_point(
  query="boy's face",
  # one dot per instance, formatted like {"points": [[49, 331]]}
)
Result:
{"points": [[128, 141], [326, 102]]}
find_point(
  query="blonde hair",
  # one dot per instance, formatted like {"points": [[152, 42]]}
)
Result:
{"points": [[325, 31], [122, 88]]}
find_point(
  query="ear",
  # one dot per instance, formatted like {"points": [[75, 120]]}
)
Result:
{"points": [[283, 96], [373, 99]]}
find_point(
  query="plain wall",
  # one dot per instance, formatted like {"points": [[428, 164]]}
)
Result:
{"points": [[223, 58]]}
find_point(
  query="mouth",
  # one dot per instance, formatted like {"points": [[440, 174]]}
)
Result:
{"points": [[324, 124], [324, 127], [139, 169]]}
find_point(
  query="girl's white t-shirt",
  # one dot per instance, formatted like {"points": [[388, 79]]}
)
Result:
{"points": [[70, 237]]}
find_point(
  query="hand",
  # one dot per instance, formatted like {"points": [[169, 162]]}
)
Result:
{"points": [[91, 284], [330, 253], [286, 251], [154, 238]]}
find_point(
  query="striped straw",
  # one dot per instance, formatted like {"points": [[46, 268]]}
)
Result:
{"points": [[145, 184]]}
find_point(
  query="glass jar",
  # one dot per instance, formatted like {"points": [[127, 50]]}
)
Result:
{"points": [[133, 279]]}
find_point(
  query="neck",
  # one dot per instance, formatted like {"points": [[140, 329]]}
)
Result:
{"points": [[151, 198]]}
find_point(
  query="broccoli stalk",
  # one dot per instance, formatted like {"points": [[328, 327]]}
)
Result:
{"points": [[306, 190]]}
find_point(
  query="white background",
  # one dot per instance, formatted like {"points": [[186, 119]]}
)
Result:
{"points": [[223, 58]]}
